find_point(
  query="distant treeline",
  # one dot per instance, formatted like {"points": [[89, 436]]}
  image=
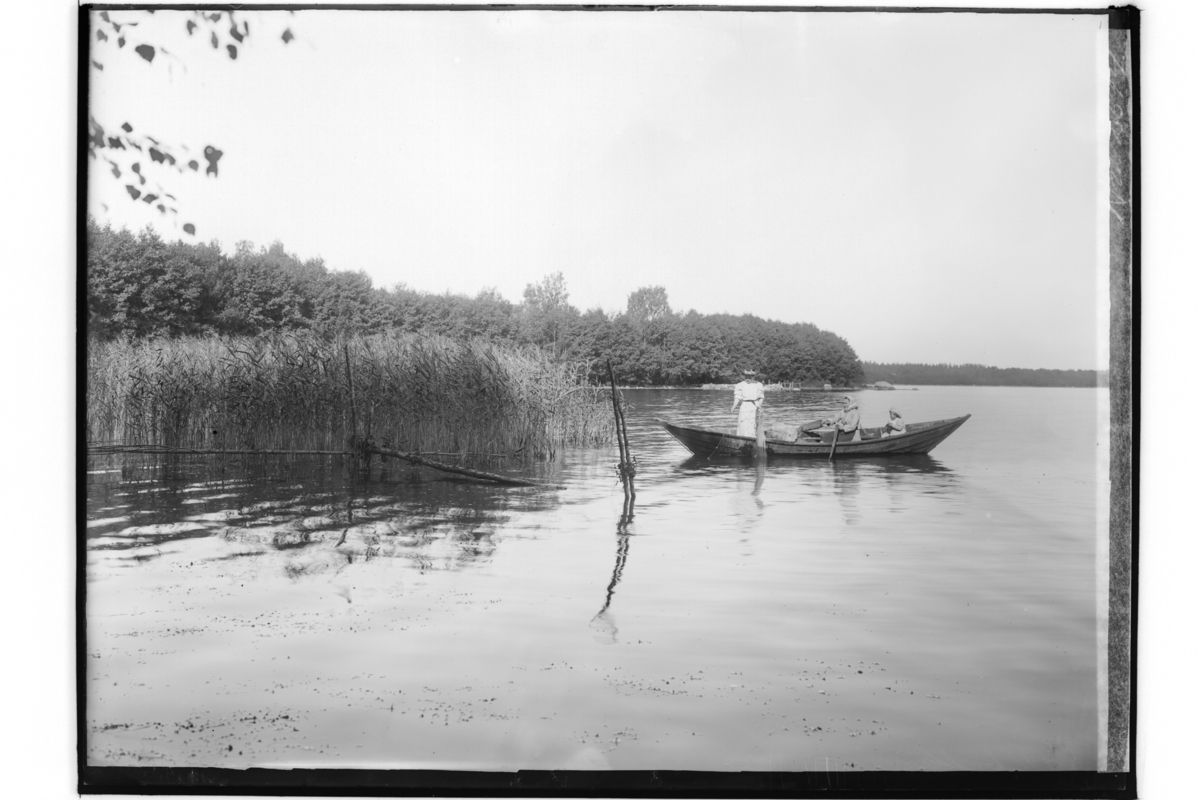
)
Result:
{"points": [[980, 375], [139, 286]]}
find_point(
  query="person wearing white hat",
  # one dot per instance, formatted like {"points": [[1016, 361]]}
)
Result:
{"points": [[749, 396], [895, 424]]}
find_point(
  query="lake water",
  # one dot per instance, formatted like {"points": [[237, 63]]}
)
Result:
{"points": [[922, 613]]}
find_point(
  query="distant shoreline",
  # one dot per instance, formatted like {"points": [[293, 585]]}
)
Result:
{"points": [[910, 374], [910, 377]]}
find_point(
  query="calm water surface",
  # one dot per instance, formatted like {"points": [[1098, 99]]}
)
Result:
{"points": [[921, 613]]}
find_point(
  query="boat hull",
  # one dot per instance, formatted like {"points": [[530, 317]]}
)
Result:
{"points": [[920, 437]]}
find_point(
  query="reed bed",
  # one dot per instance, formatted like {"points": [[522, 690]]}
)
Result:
{"points": [[299, 391]]}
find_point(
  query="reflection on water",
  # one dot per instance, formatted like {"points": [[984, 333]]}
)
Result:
{"points": [[603, 624], [292, 507], [844, 479], [915, 612]]}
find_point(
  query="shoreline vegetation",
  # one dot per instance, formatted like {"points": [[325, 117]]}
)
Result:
{"points": [[190, 347], [299, 391], [140, 286]]}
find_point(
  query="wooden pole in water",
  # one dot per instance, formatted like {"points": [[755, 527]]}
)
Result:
{"points": [[612, 382], [625, 468], [625, 439]]}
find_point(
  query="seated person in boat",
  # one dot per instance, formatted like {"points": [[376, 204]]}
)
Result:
{"points": [[847, 422], [895, 424], [747, 400]]}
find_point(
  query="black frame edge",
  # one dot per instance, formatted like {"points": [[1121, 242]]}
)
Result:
{"points": [[81, 189]]}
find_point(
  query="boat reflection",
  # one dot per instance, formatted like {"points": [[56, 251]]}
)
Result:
{"points": [[850, 480], [917, 476], [914, 463]]}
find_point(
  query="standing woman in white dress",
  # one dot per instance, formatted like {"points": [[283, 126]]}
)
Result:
{"points": [[749, 396]]}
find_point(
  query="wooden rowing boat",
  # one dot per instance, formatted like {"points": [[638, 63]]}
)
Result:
{"points": [[918, 437]]}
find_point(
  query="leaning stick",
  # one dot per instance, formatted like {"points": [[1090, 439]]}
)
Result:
{"points": [[617, 418], [473, 473]]}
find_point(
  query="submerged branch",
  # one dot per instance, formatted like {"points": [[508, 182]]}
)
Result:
{"points": [[473, 473]]}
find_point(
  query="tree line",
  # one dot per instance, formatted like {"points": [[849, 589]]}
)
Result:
{"points": [[139, 285], [980, 375]]}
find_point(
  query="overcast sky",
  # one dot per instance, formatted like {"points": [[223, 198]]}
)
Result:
{"points": [[929, 186]]}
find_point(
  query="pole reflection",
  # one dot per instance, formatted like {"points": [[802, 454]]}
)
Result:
{"points": [[604, 628], [846, 486]]}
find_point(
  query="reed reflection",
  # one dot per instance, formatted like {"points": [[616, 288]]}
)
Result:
{"points": [[294, 509]]}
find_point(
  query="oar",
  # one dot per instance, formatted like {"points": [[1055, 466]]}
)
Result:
{"points": [[760, 443], [833, 447]]}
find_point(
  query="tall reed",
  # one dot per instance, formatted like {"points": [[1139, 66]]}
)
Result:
{"points": [[289, 391]]}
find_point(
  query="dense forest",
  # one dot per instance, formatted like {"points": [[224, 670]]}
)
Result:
{"points": [[979, 375], [140, 286]]}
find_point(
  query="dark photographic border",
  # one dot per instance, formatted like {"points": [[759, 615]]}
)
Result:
{"points": [[1118, 781]]}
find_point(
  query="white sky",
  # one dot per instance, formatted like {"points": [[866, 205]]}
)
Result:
{"points": [[925, 185]]}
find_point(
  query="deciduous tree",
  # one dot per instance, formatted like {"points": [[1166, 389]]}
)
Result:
{"points": [[147, 165]]}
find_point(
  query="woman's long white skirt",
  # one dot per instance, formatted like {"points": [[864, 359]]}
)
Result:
{"points": [[747, 420]]}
